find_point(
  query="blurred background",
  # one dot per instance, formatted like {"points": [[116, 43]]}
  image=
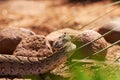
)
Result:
{"points": [[45, 16]]}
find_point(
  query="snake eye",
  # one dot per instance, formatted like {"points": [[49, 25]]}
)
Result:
{"points": [[65, 33], [60, 37]]}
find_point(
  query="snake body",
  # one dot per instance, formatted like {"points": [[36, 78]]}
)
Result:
{"points": [[20, 65]]}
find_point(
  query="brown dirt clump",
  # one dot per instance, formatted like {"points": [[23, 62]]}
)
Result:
{"points": [[11, 37], [32, 46], [88, 36], [46, 16], [113, 25]]}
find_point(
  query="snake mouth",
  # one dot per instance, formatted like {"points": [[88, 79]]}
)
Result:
{"points": [[70, 48]]}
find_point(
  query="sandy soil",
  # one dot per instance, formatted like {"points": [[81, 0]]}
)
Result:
{"points": [[46, 16]]}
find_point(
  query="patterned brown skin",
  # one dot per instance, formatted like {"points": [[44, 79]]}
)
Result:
{"points": [[113, 25], [33, 46], [88, 36], [55, 34], [10, 37], [19, 65]]}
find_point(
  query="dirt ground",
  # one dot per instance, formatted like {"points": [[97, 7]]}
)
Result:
{"points": [[46, 16]]}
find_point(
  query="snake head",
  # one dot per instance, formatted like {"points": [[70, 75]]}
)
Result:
{"points": [[61, 41], [64, 41]]}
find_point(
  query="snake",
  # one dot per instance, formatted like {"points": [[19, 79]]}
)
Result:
{"points": [[11, 65]]}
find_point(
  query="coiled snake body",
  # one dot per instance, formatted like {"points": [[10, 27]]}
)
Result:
{"points": [[19, 65]]}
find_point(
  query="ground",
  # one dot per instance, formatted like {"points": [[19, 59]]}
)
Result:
{"points": [[45, 16]]}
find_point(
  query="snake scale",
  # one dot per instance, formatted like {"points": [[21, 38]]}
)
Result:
{"points": [[20, 65]]}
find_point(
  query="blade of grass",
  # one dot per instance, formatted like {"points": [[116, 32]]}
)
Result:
{"points": [[97, 18], [92, 21]]}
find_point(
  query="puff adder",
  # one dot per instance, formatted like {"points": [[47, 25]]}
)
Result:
{"points": [[20, 65]]}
